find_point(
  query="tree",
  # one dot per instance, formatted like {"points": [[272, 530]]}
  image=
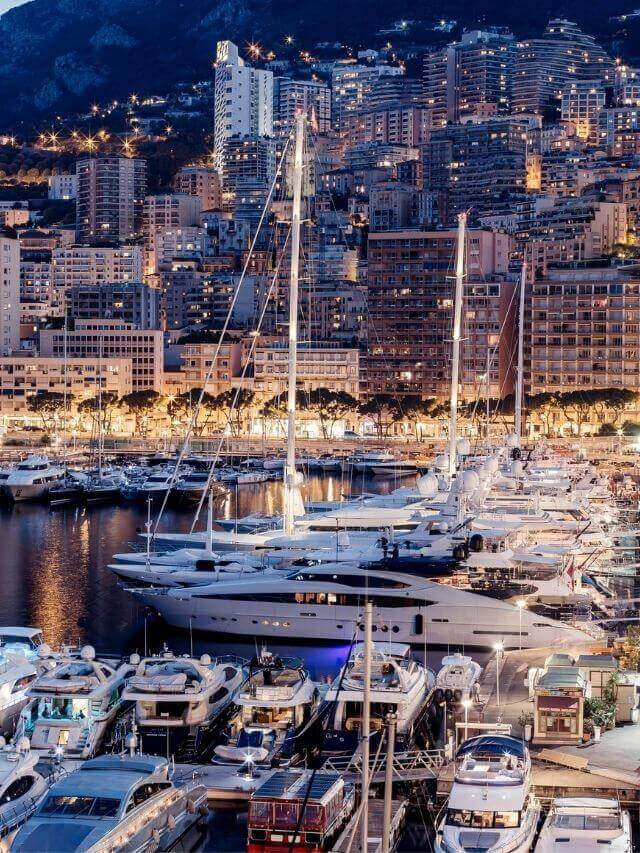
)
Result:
{"points": [[417, 409], [141, 404], [184, 406], [236, 401], [49, 404], [384, 410], [330, 407], [100, 409], [616, 400]]}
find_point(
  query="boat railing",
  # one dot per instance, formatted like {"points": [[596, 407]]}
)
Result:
{"points": [[12, 818]]}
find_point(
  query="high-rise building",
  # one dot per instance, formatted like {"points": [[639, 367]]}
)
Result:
{"points": [[243, 100], [309, 96], [133, 302], [92, 265], [544, 66], [200, 181], [9, 294], [476, 165], [111, 193], [410, 309], [352, 85], [582, 101], [395, 123], [469, 75]]}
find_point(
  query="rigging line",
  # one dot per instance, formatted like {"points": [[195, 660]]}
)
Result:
{"points": [[248, 361], [227, 322]]}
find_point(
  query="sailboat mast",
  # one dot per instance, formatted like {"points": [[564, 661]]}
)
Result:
{"points": [[455, 359], [290, 466], [520, 371]]}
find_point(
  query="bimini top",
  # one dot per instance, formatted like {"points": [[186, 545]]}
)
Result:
{"points": [[495, 744]]}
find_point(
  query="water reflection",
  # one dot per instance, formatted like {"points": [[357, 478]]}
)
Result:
{"points": [[54, 572]]}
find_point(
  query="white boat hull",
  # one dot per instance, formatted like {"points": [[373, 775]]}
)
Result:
{"points": [[457, 626]]}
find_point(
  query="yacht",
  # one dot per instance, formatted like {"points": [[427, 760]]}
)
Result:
{"points": [[25, 641], [102, 488], [21, 787], [586, 824], [30, 479], [115, 803], [191, 487], [179, 700], [326, 603], [458, 675], [66, 492], [399, 684], [491, 806], [73, 705], [16, 674], [274, 709], [365, 461]]}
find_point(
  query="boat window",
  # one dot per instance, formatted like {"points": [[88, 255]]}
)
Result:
{"points": [[483, 820], [586, 821], [339, 598], [23, 682], [18, 788], [219, 695], [260, 812], [70, 805], [144, 792], [285, 815], [357, 581], [250, 738], [312, 817]]}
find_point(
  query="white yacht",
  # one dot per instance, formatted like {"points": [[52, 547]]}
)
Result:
{"points": [[491, 806], [399, 684], [179, 699], [30, 479], [16, 675], [274, 708], [21, 787], [585, 824], [190, 487], [117, 803], [25, 641], [327, 603], [458, 675], [73, 705]]}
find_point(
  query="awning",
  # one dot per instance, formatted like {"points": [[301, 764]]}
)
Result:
{"points": [[557, 703]]}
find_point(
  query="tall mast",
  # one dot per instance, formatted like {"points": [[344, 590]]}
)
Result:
{"points": [[290, 466], [520, 372], [455, 359]]}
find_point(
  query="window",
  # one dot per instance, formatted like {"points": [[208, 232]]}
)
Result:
{"points": [[17, 789]]}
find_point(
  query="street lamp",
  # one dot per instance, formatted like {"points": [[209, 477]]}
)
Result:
{"points": [[521, 602], [498, 647], [466, 704]]}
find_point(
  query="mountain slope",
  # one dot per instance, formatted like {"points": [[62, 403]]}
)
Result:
{"points": [[59, 55]]}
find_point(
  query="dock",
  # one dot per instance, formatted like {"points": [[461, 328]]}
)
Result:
{"points": [[349, 840], [224, 784]]}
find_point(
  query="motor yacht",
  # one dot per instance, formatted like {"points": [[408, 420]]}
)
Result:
{"points": [[191, 487], [115, 803], [457, 676], [179, 700], [16, 675], [326, 603], [102, 489], [21, 788], [586, 824], [66, 492], [25, 641], [491, 806], [30, 479], [399, 684], [274, 709], [73, 704]]}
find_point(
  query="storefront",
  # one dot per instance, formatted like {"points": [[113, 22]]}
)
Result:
{"points": [[559, 706]]}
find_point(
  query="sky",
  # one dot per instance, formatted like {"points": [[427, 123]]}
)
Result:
{"points": [[5, 5]]}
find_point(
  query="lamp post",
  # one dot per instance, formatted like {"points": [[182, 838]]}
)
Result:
{"points": [[521, 605], [466, 704], [498, 647]]}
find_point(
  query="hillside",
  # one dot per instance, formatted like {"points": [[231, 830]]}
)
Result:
{"points": [[59, 55]]}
